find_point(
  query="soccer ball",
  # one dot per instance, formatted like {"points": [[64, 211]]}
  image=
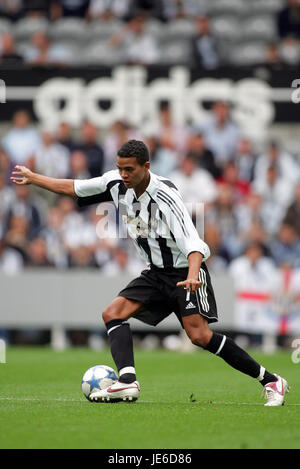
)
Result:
{"points": [[96, 378]]}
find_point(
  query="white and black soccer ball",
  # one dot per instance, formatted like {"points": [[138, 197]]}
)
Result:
{"points": [[96, 378]]}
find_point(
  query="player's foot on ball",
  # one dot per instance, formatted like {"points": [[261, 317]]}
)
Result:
{"points": [[274, 392], [117, 392]]}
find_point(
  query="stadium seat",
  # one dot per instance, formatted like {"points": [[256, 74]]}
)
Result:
{"points": [[259, 27], [230, 7], [102, 30], [26, 27], [100, 53], [265, 6], [205, 7], [226, 27], [155, 28], [248, 54], [179, 29], [175, 52], [68, 28]]}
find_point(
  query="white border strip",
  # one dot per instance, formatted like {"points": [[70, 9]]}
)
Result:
{"points": [[115, 327], [127, 369], [221, 345]]}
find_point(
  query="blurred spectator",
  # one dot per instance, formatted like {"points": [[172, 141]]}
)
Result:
{"points": [[6, 165], [105, 241], [7, 198], [287, 167], [122, 263], [223, 214], [22, 140], [11, 9], [272, 56], [27, 206], [196, 186], [37, 8], [276, 193], [51, 158], [78, 167], [17, 234], [119, 133], [147, 7], [137, 45], [249, 212], [78, 234], [163, 160], [287, 52], [11, 261], [52, 234], [254, 275], [206, 48], [252, 265], [71, 222], [169, 134], [230, 177], [108, 9], [37, 254], [91, 148], [82, 256], [292, 216], [8, 54], [245, 159], [205, 158], [285, 248], [217, 262], [288, 19], [255, 232], [64, 136], [290, 51], [221, 133], [43, 52], [77, 8]]}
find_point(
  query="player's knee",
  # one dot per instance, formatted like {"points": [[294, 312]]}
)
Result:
{"points": [[200, 338], [116, 310], [109, 314]]}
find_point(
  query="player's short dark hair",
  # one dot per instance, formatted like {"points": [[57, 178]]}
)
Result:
{"points": [[136, 149]]}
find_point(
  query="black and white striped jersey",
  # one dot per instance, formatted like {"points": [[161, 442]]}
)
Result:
{"points": [[158, 221]]}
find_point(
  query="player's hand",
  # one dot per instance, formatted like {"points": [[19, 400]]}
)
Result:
{"points": [[21, 175], [190, 284]]}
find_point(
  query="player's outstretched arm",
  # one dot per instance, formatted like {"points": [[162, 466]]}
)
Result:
{"points": [[23, 175]]}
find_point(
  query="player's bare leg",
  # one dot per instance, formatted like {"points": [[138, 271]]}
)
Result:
{"points": [[197, 329], [115, 316], [200, 334]]}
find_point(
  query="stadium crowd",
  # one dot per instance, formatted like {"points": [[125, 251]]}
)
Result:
{"points": [[250, 198], [191, 32]]}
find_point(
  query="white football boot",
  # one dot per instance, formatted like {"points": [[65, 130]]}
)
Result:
{"points": [[274, 392], [117, 392]]}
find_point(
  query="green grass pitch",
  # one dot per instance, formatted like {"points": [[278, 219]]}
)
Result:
{"points": [[41, 404]]}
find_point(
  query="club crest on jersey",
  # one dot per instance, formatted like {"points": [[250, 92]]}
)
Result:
{"points": [[140, 227]]}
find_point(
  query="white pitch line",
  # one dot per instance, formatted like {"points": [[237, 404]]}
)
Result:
{"points": [[211, 403], [59, 399]]}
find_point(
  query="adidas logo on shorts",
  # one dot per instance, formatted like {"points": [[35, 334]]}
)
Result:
{"points": [[190, 305]]}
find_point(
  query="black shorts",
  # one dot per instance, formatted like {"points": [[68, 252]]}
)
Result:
{"points": [[156, 289]]}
